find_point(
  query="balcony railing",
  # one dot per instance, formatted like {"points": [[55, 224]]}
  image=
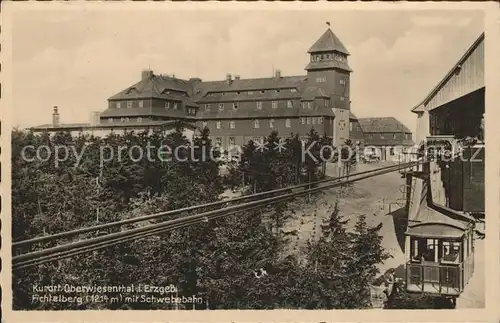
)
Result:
{"points": [[434, 278]]}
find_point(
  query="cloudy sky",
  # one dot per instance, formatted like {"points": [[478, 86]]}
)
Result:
{"points": [[77, 59]]}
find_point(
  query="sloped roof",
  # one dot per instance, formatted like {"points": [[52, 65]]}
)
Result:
{"points": [[386, 125], [352, 116], [328, 64], [311, 93], [328, 42], [255, 84], [419, 107]]}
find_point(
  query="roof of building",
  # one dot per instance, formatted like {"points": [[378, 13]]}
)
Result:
{"points": [[419, 107], [352, 116], [328, 42], [385, 125], [102, 126]]}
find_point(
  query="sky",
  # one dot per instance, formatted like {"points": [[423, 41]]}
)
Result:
{"points": [[78, 59]]}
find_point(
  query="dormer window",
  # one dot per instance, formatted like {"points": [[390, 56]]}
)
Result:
{"points": [[141, 104], [309, 105], [167, 105], [175, 105], [207, 107], [303, 105], [221, 106], [327, 102], [289, 104], [129, 104], [275, 104], [118, 105], [259, 105]]}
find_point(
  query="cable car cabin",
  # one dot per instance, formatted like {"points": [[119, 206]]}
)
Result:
{"points": [[440, 259], [439, 249]]}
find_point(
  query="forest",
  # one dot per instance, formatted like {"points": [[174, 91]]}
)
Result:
{"points": [[241, 261]]}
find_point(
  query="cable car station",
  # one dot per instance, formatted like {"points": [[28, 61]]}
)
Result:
{"points": [[446, 205]]}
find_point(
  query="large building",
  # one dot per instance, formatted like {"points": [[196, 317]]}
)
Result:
{"points": [[237, 110], [387, 137]]}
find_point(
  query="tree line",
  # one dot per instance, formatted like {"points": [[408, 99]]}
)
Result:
{"points": [[238, 261]]}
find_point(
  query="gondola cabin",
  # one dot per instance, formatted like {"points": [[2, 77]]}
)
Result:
{"points": [[440, 257]]}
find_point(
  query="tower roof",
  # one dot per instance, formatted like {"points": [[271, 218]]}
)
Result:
{"points": [[328, 42]]}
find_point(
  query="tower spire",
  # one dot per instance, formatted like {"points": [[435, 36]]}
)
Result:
{"points": [[328, 24]]}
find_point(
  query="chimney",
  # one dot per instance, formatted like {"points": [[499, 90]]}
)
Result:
{"points": [[236, 77], [146, 75], [55, 117], [95, 118], [228, 78], [277, 74]]}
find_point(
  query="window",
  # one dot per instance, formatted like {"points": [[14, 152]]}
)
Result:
{"points": [[218, 141], [313, 120], [259, 105], [110, 120], [370, 136], [175, 105], [231, 125], [320, 120], [122, 119], [327, 102], [350, 126], [288, 123], [342, 82], [129, 104], [275, 104], [118, 105], [289, 104], [451, 251], [293, 90], [271, 123], [127, 119], [382, 136], [342, 98], [219, 124], [139, 119], [167, 105], [303, 105], [309, 105], [141, 104], [204, 124], [256, 124], [221, 106], [302, 120], [308, 120], [320, 79], [394, 136], [250, 92], [391, 151], [207, 107], [232, 141], [235, 106]]}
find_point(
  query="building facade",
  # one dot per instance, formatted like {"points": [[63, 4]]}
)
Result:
{"points": [[387, 137], [238, 110]]}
